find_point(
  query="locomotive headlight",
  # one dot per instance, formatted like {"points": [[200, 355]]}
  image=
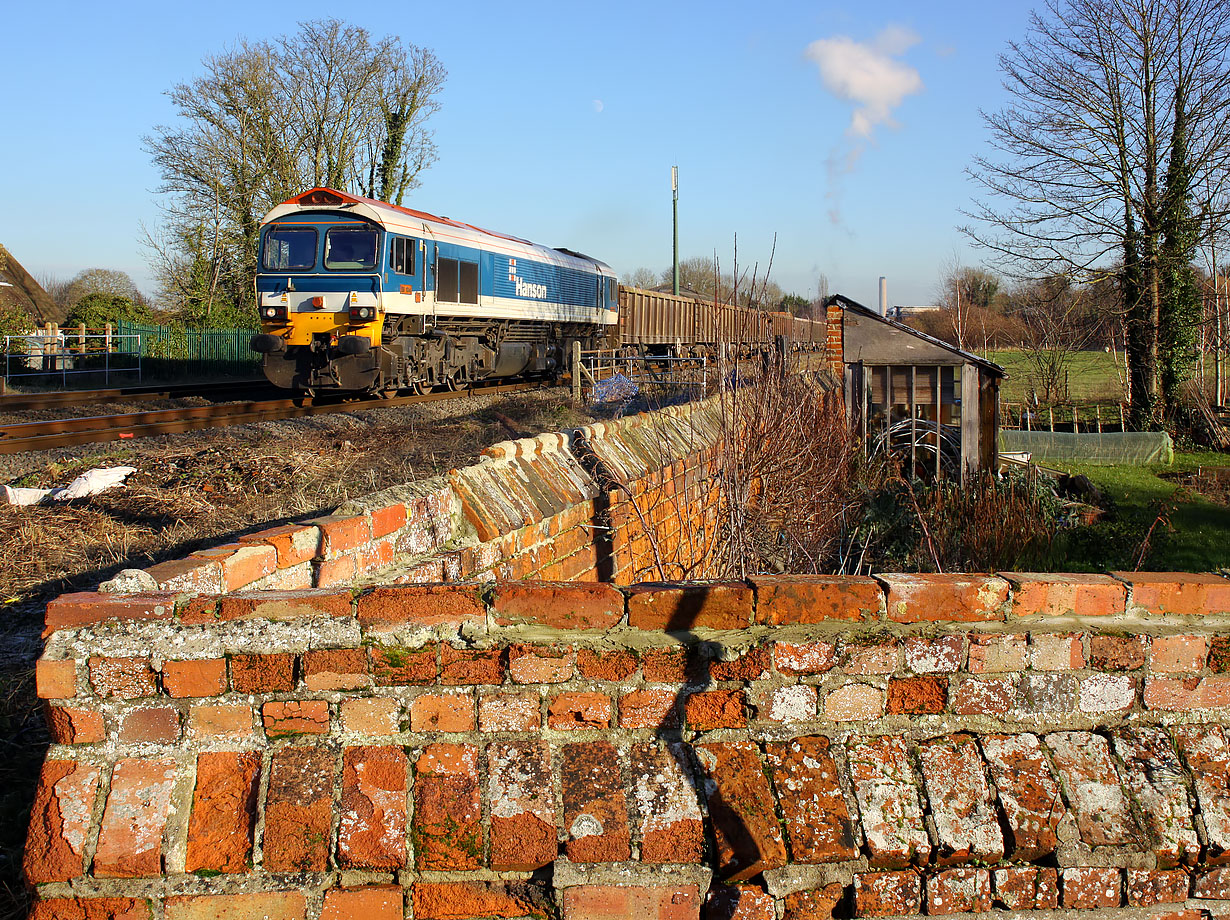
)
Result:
{"points": [[362, 314], [273, 313]]}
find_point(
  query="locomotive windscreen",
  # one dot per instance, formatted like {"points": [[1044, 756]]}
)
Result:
{"points": [[350, 249], [289, 250]]}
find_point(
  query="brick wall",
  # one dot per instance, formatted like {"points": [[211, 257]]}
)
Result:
{"points": [[618, 501], [780, 748]]}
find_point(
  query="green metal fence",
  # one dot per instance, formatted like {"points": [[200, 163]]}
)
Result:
{"points": [[170, 349]]}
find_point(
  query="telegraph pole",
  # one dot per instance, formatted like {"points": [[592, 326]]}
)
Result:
{"points": [[675, 221]]}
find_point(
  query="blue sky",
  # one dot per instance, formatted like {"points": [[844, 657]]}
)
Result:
{"points": [[843, 128]]}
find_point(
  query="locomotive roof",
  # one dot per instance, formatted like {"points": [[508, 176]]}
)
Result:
{"points": [[439, 228]]}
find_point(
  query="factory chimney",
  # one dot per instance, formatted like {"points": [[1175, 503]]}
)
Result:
{"points": [[883, 296]]}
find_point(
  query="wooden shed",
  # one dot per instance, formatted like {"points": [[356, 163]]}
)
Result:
{"points": [[934, 405]]}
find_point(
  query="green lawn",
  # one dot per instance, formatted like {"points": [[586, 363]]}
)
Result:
{"points": [[1092, 376], [1193, 534]]}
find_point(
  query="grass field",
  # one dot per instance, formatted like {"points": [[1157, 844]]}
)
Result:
{"points": [[1190, 532], [1092, 377]]}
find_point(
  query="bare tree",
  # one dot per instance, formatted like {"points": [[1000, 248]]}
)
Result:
{"points": [[324, 106], [1058, 323], [1118, 118], [643, 278]]}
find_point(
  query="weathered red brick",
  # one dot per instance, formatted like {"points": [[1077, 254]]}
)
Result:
{"points": [[1090, 887], [336, 669], [541, 664], [854, 702], [335, 572], [442, 712], [138, 805], [1213, 885], [739, 902], [996, 653], [606, 664], [343, 533], [372, 830], [710, 709], [1182, 593], [792, 703], [786, 600], [1117, 653], [69, 611], [1066, 595], [677, 608], [91, 909], [246, 564], [421, 605], [264, 905], [522, 802], [284, 605], [814, 904], [1205, 749], [369, 902], [955, 891], [294, 543], [60, 821], [632, 902], [595, 809], [666, 804], [400, 667], [804, 657], [1028, 792], [1026, 888], [295, 717], [447, 829], [74, 725], [818, 823], [466, 900], [887, 793], [1147, 887], [962, 806], [189, 576], [388, 519], [262, 673], [299, 810], [1154, 779], [941, 655], [741, 810], [55, 680], [156, 724], [375, 715], [222, 721], [1181, 694], [749, 664], [673, 664], [868, 656], [917, 695], [202, 677], [1056, 652], [223, 811], [579, 710], [1107, 693], [652, 707], [471, 666], [124, 678], [880, 894], [939, 598], [1177, 654], [510, 712], [558, 605], [1092, 785], [991, 696]]}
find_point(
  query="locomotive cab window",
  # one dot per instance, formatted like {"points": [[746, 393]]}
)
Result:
{"points": [[456, 281], [401, 256], [289, 250], [350, 249]]}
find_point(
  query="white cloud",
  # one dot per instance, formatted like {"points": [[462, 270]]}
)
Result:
{"points": [[868, 75]]}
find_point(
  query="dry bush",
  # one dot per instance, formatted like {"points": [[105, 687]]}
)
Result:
{"points": [[787, 463]]}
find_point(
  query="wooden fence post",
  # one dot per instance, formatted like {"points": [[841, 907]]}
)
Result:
{"points": [[576, 370]]}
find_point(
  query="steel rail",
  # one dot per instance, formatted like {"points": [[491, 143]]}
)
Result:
{"points": [[29, 436], [14, 402]]}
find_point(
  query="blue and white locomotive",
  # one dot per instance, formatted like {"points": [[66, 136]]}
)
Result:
{"points": [[360, 295]]}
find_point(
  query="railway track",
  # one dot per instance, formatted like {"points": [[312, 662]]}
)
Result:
{"points": [[15, 402], [44, 435]]}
